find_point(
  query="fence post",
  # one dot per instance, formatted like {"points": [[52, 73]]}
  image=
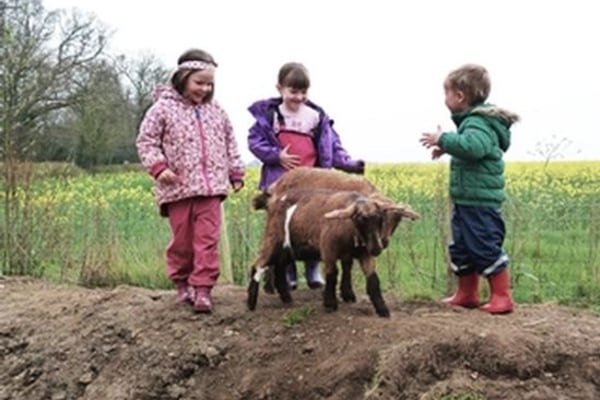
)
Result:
{"points": [[225, 248]]}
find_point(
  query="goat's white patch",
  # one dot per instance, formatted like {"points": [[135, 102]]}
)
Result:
{"points": [[260, 271], [287, 241]]}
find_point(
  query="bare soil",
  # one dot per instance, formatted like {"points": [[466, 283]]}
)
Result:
{"points": [[64, 342]]}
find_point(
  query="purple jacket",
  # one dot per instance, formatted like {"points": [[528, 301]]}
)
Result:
{"points": [[265, 146]]}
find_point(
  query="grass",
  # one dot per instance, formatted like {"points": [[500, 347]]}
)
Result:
{"points": [[104, 229], [297, 316]]}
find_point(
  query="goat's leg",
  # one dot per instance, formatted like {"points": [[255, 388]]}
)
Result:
{"points": [[373, 288], [269, 286], [329, 297], [253, 286], [259, 267], [346, 285], [281, 284]]}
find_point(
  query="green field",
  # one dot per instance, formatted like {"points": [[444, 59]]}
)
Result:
{"points": [[104, 229]]}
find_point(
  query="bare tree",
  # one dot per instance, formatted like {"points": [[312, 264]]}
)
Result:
{"points": [[141, 75], [43, 58]]}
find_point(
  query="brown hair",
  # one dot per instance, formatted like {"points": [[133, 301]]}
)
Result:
{"points": [[181, 76], [473, 80], [294, 75]]}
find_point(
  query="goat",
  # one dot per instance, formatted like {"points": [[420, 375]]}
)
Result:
{"points": [[330, 179], [323, 225]]}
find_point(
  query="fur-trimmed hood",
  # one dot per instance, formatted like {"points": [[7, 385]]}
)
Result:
{"points": [[493, 111], [499, 119]]}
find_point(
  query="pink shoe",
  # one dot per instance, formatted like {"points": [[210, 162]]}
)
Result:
{"points": [[202, 301], [184, 293]]}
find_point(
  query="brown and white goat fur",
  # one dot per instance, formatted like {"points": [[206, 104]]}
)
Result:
{"points": [[331, 179], [319, 178], [323, 225]]}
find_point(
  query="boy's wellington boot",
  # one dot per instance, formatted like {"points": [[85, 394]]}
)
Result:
{"points": [[501, 301], [467, 294]]}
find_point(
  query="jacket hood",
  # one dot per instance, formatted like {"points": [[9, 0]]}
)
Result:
{"points": [[166, 92], [489, 110], [262, 108], [499, 119]]}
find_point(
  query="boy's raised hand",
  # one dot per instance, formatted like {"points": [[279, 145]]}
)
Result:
{"points": [[430, 139], [436, 153]]}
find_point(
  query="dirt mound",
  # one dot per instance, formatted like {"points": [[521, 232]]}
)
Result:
{"points": [[59, 342]]}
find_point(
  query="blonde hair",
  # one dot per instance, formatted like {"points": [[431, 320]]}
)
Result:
{"points": [[473, 80]]}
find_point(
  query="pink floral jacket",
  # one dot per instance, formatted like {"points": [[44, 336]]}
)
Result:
{"points": [[196, 142]]}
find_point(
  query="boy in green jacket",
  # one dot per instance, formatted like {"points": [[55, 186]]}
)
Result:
{"points": [[476, 187]]}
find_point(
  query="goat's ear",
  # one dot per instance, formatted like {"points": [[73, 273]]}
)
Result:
{"points": [[403, 210], [408, 213], [341, 212]]}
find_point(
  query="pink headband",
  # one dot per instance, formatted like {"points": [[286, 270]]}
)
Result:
{"points": [[202, 65]]}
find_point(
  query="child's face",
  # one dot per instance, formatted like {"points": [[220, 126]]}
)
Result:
{"points": [[292, 98], [455, 99], [199, 85]]}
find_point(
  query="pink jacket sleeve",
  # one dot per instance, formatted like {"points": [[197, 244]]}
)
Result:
{"points": [[149, 141]]}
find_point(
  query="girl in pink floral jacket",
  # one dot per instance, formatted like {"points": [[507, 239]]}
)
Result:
{"points": [[186, 143]]}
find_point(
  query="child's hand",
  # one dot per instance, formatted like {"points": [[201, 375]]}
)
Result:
{"points": [[167, 177], [288, 161], [237, 186], [431, 139], [436, 153], [358, 168]]}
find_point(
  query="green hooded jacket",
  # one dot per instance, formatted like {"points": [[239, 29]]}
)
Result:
{"points": [[476, 167]]}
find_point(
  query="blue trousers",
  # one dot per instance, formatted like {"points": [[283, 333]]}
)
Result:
{"points": [[477, 238]]}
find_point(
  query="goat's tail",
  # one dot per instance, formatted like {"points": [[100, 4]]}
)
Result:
{"points": [[259, 202]]}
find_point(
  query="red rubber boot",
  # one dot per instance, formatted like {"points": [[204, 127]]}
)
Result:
{"points": [[501, 301], [467, 294]]}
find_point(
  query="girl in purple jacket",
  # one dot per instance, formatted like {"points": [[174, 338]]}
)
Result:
{"points": [[291, 131]]}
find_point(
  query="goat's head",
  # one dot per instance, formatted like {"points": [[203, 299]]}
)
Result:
{"points": [[393, 214], [367, 218]]}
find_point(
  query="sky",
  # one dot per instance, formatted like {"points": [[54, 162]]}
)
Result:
{"points": [[377, 67]]}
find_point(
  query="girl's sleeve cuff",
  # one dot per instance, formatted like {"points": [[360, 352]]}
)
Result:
{"points": [[157, 168]]}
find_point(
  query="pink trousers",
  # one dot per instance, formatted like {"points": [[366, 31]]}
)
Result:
{"points": [[193, 252]]}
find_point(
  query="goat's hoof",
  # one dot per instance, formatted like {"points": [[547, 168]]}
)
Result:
{"points": [[349, 297], [285, 298], [330, 306], [268, 288], [383, 312], [252, 295]]}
